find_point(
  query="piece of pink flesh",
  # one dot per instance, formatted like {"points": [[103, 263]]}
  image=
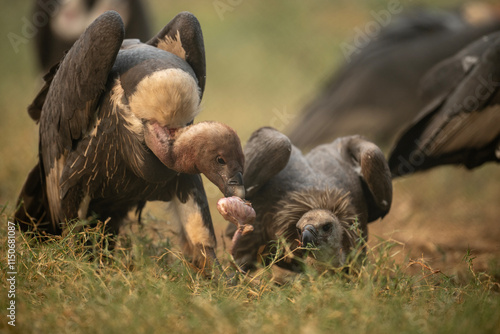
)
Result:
{"points": [[228, 206]]}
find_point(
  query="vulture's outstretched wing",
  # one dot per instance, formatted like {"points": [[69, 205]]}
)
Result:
{"points": [[266, 153], [370, 164], [462, 123], [375, 93], [444, 77], [182, 36], [72, 98]]}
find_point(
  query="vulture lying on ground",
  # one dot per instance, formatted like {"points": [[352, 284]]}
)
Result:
{"points": [[114, 133], [376, 93], [67, 20], [311, 199], [461, 124]]}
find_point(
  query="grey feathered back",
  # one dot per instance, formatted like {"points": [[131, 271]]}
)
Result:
{"points": [[348, 177]]}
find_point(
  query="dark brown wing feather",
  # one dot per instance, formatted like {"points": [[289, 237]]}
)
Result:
{"points": [[442, 78], [35, 108], [186, 27], [462, 124], [72, 98]]}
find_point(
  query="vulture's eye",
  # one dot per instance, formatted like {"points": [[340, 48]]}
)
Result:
{"points": [[221, 160], [327, 227]]}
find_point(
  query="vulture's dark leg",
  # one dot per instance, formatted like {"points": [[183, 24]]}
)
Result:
{"points": [[75, 203], [246, 250], [138, 211], [190, 209]]}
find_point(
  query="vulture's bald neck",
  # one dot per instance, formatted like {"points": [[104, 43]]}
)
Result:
{"points": [[178, 148]]}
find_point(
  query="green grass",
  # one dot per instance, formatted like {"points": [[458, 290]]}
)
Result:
{"points": [[73, 284], [263, 58]]}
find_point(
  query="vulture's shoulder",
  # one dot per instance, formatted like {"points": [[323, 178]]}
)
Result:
{"points": [[183, 37]]}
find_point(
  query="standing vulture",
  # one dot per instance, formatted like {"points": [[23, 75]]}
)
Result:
{"points": [[461, 124], [115, 132], [68, 19], [311, 199], [376, 92]]}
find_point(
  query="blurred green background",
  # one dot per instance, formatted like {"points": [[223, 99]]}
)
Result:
{"points": [[262, 56], [267, 59]]}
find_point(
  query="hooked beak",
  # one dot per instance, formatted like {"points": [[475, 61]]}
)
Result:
{"points": [[234, 186], [309, 236]]}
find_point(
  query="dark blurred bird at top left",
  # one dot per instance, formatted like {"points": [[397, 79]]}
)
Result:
{"points": [[69, 18]]}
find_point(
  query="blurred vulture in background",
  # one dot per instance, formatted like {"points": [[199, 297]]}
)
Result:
{"points": [[324, 199], [68, 19], [115, 132], [376, 93], [461, 124]]}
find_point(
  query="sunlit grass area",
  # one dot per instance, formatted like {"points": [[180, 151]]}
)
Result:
{"points": [[73, 284], [265, 61]]}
